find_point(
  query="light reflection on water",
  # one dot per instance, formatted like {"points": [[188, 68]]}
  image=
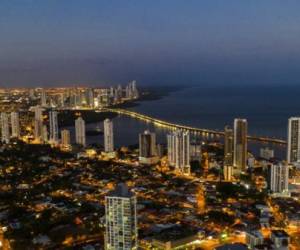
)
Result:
{"points": [[126, 131]]}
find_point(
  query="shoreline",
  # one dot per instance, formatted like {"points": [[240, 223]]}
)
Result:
{"points": [[67, 117]]}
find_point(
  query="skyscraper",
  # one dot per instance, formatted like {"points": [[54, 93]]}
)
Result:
{"points": [[53, 124], [44, 135], [278, 177], [240, 145], [228, 172], [80, 131], [228, 146], [147, 148], [15, 124], [293, 150], [38, 123], [108, 136], [65, 138], [5, 135], [43, 98], [179, 150], [121, 220]]}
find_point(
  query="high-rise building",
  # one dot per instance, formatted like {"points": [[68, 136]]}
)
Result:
{"points": [[240, 145], [179, 151], [228, 146], [43, 98], [121, 220], [147, 148], [293, 150], [108, 136], [15, 124], [80, 131], [228, 172], [32, 94], [5, 135], [53, 124], [65, 138], [38, 123], [195, 151], [278, 177], [254, 238], [44, 135], [280, 239]]}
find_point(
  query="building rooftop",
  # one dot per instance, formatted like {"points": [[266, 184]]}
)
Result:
{"points": [[256, 233], [121, 190], [280, 233]]}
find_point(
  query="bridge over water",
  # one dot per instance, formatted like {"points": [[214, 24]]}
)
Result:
{"points": [[173, 126]]}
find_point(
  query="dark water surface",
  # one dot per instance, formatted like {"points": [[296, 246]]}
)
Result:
{"points": [[266, 109]]}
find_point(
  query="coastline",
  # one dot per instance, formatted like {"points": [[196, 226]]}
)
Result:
{"points": [[67, 117]]}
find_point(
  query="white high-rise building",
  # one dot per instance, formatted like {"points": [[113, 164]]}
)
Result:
{"points": [[108, 136], [15, 124], [5, 135], [179, 151], [38, 123], [53, 124], [65, 138], [43, 98], [240, 145], [80, 131], [278, 178], [121, 220], [293, 150]]}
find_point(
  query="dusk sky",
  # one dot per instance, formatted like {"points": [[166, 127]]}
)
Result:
{"points": [[94, 42]]}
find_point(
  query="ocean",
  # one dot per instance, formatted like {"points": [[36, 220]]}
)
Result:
{"points": [[267, 110]]}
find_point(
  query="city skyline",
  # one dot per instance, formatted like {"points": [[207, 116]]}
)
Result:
{"points": [[149, 125]]}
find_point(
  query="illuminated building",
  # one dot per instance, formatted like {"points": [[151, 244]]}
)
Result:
{"points": [[195, 151], [228, 146], [108, 136], [266, 153], [201, 200], [280, 239], [65, 138], [121, 219], [228, 172], [147, 148], [90, 97], [240, 145], [15, 124], [5, 135], [179, 150], [254, 238], [53, 124], [206, 162], [32, 94], [80, 131], [131, 91], [38, 123], [278, 177], [44, 135], [293, 149], [160, 150], [43, 98]]}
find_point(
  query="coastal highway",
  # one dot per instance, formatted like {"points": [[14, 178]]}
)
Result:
{"points": [[173, 126]]}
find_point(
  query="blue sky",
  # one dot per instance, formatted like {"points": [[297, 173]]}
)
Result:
{"points": [[95, 42]]}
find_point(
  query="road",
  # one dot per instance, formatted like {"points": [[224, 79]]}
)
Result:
{"points": [[201, 131]]}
